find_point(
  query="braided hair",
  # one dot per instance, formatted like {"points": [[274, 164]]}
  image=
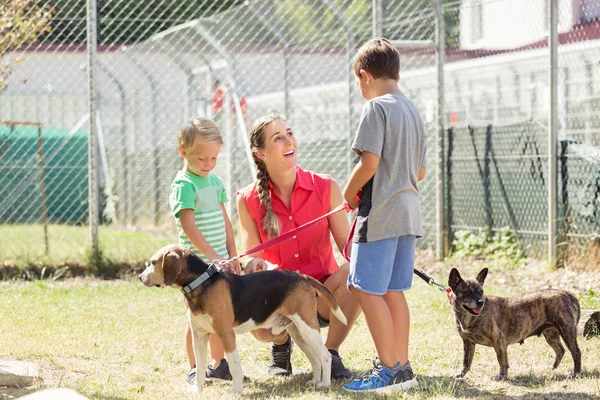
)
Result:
{"points": [[270, 222]]}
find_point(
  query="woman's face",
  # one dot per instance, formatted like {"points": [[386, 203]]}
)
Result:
{"points": [[280, 147]]}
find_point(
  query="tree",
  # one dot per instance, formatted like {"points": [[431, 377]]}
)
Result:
{"points": [[127, 21], [22, 22]]}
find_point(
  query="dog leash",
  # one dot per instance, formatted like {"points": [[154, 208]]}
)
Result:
{"points": [[282, 238], [430, 281]]}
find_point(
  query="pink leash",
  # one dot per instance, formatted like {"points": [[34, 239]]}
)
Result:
{"points": [[350, 235], [289, 234]]}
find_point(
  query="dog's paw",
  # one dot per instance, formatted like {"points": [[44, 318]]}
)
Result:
{"points": [[460, 375], [501, 377], [572, 375], [192, 389], [322, 385]]}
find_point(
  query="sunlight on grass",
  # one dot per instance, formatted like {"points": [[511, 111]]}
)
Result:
{"points": [[121, 340], [23, 245]]}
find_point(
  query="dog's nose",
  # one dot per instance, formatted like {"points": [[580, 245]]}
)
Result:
{"points": [[480, 303], [140, 277]]}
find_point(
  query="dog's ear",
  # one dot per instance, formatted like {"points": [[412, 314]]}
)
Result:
{"points": [[171, 265], [454, 279], [481, 276]]}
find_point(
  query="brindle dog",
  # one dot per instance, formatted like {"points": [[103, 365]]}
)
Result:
{"points": [[497, 322]]}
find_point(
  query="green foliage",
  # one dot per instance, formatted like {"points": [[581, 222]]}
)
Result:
{"points": [[590, 299], [451, 23], [126, 21], [21, 23], [501, 245], [316, 22]]}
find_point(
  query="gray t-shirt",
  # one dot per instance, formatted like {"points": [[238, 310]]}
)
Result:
{"points": [[391, 128]]}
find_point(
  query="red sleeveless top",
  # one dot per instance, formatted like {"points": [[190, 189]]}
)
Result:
{"points": [[310, 252]]}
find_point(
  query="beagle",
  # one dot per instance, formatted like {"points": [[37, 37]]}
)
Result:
{"points": [[227, 304]]}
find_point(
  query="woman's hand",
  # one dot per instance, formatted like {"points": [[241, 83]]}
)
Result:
{"points": [[255, 264], [234, 267]]}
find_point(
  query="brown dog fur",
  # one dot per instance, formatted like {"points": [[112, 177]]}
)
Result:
{"points": [[497, 322]]}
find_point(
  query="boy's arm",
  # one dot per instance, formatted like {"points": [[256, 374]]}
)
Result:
{"points": [[230, 240], [188, 224], [422, 173], [362, 173]]}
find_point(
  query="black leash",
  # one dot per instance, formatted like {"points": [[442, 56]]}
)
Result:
{"points": [[430, 281]]}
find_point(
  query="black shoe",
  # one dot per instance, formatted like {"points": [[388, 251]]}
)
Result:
{"points": [[190, 380], [281, 359], [220, 372], [338, 370]]}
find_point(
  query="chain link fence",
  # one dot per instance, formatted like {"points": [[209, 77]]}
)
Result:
{"points": [[159, 64]]}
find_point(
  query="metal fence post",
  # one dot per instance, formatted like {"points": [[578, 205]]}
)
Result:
{"points": [[552, 131], [442, 237], [377, 12], [92, 167]]}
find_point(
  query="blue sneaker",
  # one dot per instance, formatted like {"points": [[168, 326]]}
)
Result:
{"points": [[382, 379]]}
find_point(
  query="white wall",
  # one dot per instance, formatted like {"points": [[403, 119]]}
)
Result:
{"points": [[511, 24]]}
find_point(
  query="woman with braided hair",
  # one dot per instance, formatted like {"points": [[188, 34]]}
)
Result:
{"points": [[284, 197]]}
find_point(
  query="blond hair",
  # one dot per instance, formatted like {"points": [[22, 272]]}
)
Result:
{"points": [[270, 222], [202, 129]]}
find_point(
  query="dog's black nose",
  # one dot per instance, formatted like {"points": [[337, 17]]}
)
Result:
{"points": [[480, 303], [140, 277]]}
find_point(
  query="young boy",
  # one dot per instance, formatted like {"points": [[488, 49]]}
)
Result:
{"points": [[197, 200], [391, 143]]}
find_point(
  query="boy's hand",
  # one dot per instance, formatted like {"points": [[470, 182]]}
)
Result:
{"points": [[255, 264], [353, 202]]}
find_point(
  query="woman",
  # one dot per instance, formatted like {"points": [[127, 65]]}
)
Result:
{"points": [[284, 197]]}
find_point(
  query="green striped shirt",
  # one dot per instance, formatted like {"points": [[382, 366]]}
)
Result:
{"points": [[204, 196]]}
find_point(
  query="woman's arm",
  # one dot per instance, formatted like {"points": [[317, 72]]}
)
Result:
{"points": [[338, 222], [250, 237]]}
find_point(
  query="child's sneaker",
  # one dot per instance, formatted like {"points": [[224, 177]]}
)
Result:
{"points": [[405, 378], [190, 381], [383, 379], [338, 369], [220, 372], [281, 356]]}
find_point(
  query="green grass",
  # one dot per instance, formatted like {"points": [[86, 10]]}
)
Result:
{"points": [[121, 340], [23, 246]]}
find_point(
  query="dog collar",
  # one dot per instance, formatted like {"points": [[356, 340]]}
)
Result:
{"points": [[210, 271]]}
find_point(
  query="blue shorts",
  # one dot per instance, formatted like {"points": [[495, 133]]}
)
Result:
{"points": [[382, 266]]}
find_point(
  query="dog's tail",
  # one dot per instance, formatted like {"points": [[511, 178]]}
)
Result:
{"points": [[328, 297]]}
